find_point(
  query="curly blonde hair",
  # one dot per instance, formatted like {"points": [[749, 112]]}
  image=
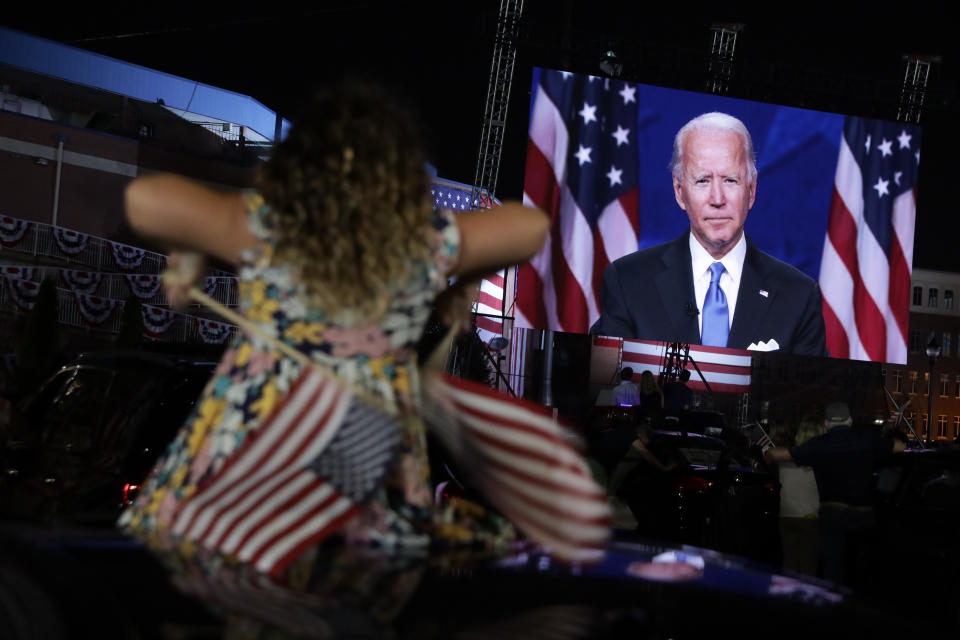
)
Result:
{"points": [[349, 196]]}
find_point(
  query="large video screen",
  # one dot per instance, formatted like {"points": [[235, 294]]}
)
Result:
{"points": [[824, 264]]}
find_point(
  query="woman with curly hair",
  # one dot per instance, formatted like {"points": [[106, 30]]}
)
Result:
{"points": [[341, 256]]}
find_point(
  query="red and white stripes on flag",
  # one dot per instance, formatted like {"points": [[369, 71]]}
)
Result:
{"points": [[298, 478], [489, 307], [726, 370], [581, 169], [868, 250], [525, 463]]}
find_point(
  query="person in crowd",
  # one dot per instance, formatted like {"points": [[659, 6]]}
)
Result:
{"points": [[677, 396], [711, 285], [625, 394], [340, 255], [651, 397], [844, 460], [799, 504]]}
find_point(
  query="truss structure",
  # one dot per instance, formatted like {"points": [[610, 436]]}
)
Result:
{"points": [[914, 91], [498, 100], [723, 44]]}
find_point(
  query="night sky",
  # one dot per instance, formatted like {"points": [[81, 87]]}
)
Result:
{"points": [[437, 54]]}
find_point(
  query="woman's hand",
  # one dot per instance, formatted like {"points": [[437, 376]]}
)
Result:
{"points": [[184, 270], [455, 304]]}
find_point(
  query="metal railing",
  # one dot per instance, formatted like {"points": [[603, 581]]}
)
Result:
{"points": [[183, 329], [117, 287]]}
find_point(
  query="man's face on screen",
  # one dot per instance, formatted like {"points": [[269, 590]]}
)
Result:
{"points": [[715, 188]]}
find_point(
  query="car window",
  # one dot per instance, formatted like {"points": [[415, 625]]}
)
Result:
{"points": [[71, 417]]}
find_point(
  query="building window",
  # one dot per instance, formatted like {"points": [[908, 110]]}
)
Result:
{"points": [[914, 342], [945, 344], [932, 298], [948, 298], [944, 385], [958, 386], [941, 426], [912, 379], [956, 426], [917, 296], [898, 380], [923, 425], [926, 383]]}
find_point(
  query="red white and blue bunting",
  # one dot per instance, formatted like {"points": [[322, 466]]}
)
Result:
{"points": [[213, 332], [70, 242], [22, 273], [12, 230], [144, 287], [94, 309], [23, 292], [156, 320], [85, 282], [127, 257], [210, 285]]}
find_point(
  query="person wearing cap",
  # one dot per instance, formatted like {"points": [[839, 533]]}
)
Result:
{"points": [[844, 460]]}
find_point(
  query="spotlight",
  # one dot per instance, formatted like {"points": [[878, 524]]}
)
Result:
{"points": [[610, 65]]}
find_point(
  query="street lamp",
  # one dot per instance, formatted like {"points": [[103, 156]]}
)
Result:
{"points": [[933, 352]]}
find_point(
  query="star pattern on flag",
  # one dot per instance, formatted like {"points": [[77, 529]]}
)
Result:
{"points": [[867, 144], [588, 113], [621, 135], [896, 177], [614, 176], [904, 139], [629, 94], [583, 155], [884, 147], [881, 187]]}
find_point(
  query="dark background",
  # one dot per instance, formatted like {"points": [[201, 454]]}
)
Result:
{"points": [[438, 54]]}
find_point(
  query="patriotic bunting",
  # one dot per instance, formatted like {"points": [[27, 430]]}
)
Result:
{"points": [[12, 230], [81, 281], [144, 287], [22, 273], [212, 332], [23, 292], [302, 477], [525, 463], [156, 320], [94, 309], [70, 242], [127, 257], [210, 285]]}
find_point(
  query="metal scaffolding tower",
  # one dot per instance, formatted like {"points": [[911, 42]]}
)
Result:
{"points": [[722, 46], [498, 100], [914, 91]]}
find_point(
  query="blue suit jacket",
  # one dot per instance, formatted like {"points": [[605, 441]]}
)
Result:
{"points": [[649, 295]]}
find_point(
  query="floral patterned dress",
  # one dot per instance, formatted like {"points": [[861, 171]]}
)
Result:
{"points": [[252, 378]]}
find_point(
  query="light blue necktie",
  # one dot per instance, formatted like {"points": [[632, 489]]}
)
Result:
{"points": [[716, 319]]}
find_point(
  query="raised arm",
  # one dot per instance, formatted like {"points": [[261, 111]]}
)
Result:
{"points": [[490, 240], [180, 214]]}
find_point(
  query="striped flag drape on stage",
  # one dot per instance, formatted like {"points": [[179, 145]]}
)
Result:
{"points": [[726, 370], [294, 481], [525, 463], [868, 250], [581, 169]]}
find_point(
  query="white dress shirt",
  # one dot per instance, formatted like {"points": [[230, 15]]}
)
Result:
{"points": [[700, 262]]}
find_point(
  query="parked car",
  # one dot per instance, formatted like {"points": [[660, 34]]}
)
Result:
{"points": [[717, 494], [77, 448]]}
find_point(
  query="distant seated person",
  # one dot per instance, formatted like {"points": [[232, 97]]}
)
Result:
{"points": [[625, 394], [677, 396], [651, 397], [712, 285]]}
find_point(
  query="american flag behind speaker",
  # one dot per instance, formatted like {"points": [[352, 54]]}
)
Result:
{"points": [[581, 169], [868, 250]]}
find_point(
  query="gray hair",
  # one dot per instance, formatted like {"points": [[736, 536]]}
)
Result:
{"points": [[714, 121]]}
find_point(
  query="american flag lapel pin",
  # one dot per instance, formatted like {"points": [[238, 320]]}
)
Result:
{"points": [[764, 293]]}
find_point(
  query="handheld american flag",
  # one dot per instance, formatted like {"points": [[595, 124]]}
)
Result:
{"points": [[524, 463], [868, 250], [294, 481], [582, 170]]}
